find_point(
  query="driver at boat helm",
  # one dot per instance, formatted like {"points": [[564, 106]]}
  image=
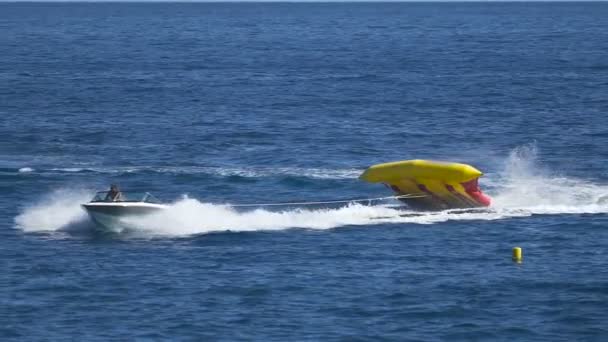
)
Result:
{"points": [[114, 194]]}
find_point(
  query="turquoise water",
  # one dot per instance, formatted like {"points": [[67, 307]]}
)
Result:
{"points": [[209, 106]]}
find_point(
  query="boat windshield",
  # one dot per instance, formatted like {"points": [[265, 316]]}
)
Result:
{"points": [[126, 196]]}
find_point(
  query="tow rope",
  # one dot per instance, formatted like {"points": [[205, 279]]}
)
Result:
{"points": [[355, 200]]}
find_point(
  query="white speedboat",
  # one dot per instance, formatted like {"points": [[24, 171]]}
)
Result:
{"points": [[108, 214]]}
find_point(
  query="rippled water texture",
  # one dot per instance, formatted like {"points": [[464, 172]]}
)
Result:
{"points": [[214, 106]]}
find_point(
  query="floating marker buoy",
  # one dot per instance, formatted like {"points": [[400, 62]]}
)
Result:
{"points": [[517, 254]]}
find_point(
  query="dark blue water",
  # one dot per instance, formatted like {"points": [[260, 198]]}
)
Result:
{"points": [[212, 105]]}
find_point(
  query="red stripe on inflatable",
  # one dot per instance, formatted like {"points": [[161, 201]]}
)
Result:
{"points": [[460, 196], [424, 189]]}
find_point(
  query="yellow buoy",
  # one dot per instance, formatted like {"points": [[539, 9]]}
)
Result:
{"points": [[517, 254]]}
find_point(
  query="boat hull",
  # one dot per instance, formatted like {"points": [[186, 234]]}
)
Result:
{"points": [[111, 216]]}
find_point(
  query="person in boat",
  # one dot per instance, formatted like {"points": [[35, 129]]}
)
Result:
{"points": [[114, 195]]}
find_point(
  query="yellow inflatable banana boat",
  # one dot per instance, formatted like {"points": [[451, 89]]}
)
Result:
{"points": [[431, 185]]}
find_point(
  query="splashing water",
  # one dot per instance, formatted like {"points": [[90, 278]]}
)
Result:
{"points": [[523, 188], [525, 185], [54, 212]]}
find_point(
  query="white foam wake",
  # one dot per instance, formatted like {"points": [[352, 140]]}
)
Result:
{"points": [[522, 188]]}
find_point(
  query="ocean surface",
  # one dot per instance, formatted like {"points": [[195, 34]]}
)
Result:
{"points": [[211, 106]]}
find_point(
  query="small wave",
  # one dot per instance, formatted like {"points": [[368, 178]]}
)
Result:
{"points": [[315, 173], [26, 170]]}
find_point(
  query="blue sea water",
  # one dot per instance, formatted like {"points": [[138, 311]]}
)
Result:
{"points": [[213, 105]]}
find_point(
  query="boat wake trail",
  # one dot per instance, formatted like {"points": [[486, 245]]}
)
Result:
{"points": [[189, 216], [521, 189]]}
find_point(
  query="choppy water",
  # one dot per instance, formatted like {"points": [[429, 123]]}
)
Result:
{"points": [[213, 105]]}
